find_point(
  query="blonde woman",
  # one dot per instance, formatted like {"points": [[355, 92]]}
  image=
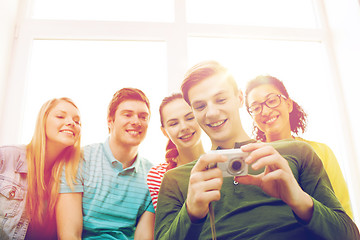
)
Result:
{"points": [[30, 175]]}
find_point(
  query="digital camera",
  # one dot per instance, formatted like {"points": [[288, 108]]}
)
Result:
{"points": [[235, 164]]}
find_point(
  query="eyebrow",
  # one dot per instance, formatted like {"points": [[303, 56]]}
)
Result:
{"points": [[266, 98], [215, 95], [186, 115], [65, 112], [171, 120], [175, 119]]}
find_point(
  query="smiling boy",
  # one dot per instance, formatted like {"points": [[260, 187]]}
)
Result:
{"points": [[112, 193], [287, 194]]}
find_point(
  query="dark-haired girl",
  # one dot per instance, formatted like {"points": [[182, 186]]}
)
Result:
{"points": [[178, 124], [276, 116]]}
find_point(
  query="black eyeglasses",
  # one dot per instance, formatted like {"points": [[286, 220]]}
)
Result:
{"points": [[272, 102]]}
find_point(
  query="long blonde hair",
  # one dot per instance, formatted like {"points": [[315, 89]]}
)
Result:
{"points": [[38, 190]]}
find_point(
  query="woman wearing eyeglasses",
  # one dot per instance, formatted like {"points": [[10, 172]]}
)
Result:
{"points": [[276, 116]]}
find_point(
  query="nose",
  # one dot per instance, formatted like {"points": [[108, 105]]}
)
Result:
{"points": [[70, 121], [183, 125], [135, 121], [212, 111], [265, 110]]}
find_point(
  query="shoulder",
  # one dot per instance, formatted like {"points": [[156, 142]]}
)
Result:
{"points": [[318, 146], [323, 150], [15, 154], [181, 172], [158, 170], [92, 150], [14, 151], [93, 147], [143, 165], [296, 151], [162, 167], [292, 147]]}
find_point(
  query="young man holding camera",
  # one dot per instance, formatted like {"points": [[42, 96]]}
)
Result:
{"points": [[286, 195]]}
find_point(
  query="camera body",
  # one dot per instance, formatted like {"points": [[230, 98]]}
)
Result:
{"points": [[235, 164]]}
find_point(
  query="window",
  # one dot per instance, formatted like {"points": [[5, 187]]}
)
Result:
{"points": [[82, 49], [90, 72], [105, 10]]}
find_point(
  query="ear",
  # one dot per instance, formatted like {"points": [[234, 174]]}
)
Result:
{"points": [[290, 104], [240, 95], [164, 132], [110, 123]]}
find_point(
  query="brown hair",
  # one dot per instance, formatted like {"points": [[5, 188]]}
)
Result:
{"points": [[123, 95], [201, 71], [171, 150]]}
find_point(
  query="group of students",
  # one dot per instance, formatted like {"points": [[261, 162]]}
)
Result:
{"points": [[53, 189]]}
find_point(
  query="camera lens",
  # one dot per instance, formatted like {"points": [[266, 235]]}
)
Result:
{"points": [[236, 165]]}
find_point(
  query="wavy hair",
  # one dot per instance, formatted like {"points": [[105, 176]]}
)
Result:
{"points": [[171, 151], [298, 117], [38, 190]]}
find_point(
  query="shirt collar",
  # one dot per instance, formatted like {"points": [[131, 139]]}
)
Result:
{"points": [[239, 144], [117, 164]]}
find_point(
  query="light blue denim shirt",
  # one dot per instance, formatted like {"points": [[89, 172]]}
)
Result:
{"points": [[13, 188]]}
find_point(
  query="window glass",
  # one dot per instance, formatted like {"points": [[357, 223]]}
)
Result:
{"points": [[105, 10], [274, 13], [90, 72]]}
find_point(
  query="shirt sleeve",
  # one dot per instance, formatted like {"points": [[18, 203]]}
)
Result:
{"points": [[329, 219], [78, 185], [153, 182], [150, 207], [172, 220], [335, 175]]}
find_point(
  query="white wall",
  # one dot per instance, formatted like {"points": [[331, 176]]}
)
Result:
{"points": [[8, 15]]}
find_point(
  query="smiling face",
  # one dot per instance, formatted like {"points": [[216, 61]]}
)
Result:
{"points": [[216, 108], [130, 123], [274, 122], [63, 125], [179, 124]]}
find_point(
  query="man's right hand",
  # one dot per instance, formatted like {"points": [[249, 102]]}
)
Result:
{"points": [[204, 186]]}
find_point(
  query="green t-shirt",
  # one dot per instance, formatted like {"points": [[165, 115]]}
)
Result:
{"points": [[246, 212]]}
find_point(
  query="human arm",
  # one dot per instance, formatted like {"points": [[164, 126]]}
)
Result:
{"points": [[69, 215], [277, 180], [328, 218], [145, 227], [172, 219], [204, 186], [334, 172], [153, 180]]}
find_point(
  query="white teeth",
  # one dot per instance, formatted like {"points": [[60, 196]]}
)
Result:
{"points": [[186, 136], [216, 124], [68, 131], [271, 120], [134, 133]]}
